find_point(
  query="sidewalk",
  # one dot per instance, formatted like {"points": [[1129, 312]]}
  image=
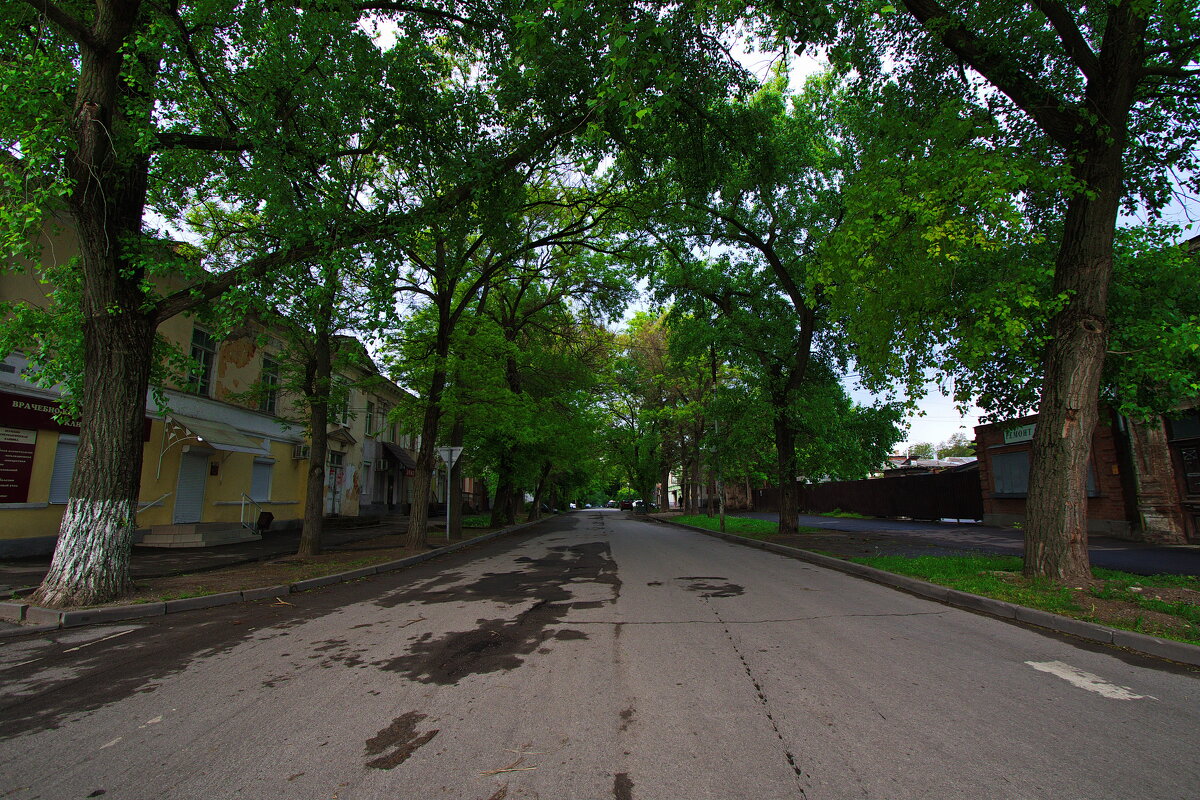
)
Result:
{"points": [[153, 562], [906, 537]]}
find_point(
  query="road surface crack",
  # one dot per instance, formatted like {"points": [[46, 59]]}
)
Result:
{"points": [[797, 770]]}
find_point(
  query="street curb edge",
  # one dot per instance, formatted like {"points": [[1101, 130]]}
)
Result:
{"points": [[50, 619], [1168, 649]]}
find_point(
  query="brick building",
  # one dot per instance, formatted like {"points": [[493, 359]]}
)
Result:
{"points": [[1143, 477]]}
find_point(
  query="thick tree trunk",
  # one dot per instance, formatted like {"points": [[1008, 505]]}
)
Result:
{"points": [[785, 450], [418, 516], [91, 558], [1056, 508], [318, 402], [503, 511]]}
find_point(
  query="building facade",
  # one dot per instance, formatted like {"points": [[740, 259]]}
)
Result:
{"points": [[225, 454], [1143, 477]]}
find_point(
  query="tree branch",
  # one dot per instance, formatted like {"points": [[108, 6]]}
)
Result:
{"points": [[1072, 38], [69, 25], [1045, 107]]}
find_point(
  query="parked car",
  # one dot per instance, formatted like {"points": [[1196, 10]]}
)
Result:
{"points": [[626, 505], [644, 507]]}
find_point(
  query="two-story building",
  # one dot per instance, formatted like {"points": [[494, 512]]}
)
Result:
{"points": [[226, 448]]}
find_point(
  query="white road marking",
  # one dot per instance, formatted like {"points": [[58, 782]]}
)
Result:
{"points": [[110, 744], [98, 641], [1086, 680]]}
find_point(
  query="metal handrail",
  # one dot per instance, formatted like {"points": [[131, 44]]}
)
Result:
{"points": [[153, 503], [253, 524]]}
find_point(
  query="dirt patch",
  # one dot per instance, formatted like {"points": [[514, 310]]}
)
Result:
{"points": [[622, 787], [402, 737]]}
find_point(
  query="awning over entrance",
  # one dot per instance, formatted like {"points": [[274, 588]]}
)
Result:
{"points": [[398, 454], [219, 436]]}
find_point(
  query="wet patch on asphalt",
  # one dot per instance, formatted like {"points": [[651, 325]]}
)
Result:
{"points": [[708, 587], [622, 787], [627, 718], [401, 737], [500, 644]]}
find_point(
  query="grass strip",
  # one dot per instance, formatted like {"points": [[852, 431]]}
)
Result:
{"points": [[1000, 577], [743, 526]]}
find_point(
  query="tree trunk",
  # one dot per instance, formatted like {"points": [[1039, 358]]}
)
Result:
{"points": [[785, 451], [664, 495], [454, 497], [91, 557], [535, 512], [418, 518], [504, 512], [317, 389], [1056, 508]]}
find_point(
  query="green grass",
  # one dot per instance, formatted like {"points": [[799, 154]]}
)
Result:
{"points": [[982, 575], [477, 521], [743, 526], [837, 512], [999, 577]]}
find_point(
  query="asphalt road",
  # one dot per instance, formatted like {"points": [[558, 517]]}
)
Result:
{"points": [[600, 657]]}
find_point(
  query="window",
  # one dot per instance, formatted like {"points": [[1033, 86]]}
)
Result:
{"points": [[260, 479], [204, 353], [64, 467], [369, 427], [335, 458], [270, 386], [1010, 475], [339, 403]]}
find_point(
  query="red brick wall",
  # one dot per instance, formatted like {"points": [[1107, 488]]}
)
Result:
{"points": [[1107, 512]]}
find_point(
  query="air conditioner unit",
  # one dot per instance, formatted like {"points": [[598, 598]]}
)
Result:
{"points": [[300, 451]]}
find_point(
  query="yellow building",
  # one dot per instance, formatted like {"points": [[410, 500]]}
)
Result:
{"points": [[218, 456]]}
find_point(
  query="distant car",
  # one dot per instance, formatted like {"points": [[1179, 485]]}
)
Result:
{"points": [[626, 505], [644, 507], [611, 504]]}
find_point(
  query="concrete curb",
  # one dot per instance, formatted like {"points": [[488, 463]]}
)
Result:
{"points": [[49, 619], [1148, 645]]}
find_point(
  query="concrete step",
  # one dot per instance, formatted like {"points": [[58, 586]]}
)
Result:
{"points": [[198, 535]]}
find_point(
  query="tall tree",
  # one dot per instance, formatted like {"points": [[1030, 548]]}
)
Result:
{"points": [[1108, 93]]}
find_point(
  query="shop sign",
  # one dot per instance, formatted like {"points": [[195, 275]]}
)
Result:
{"points": [[16, 464], [1022, 433], [34, 413]]}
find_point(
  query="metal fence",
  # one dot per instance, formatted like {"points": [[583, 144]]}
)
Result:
{"points": [[942, 495]]}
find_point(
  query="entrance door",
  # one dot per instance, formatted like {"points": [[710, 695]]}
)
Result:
{"points": [[1187, 465], [335, 476], [189, 493]]}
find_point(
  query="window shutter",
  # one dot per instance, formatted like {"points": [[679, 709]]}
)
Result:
{"points": [[64, 468]]}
